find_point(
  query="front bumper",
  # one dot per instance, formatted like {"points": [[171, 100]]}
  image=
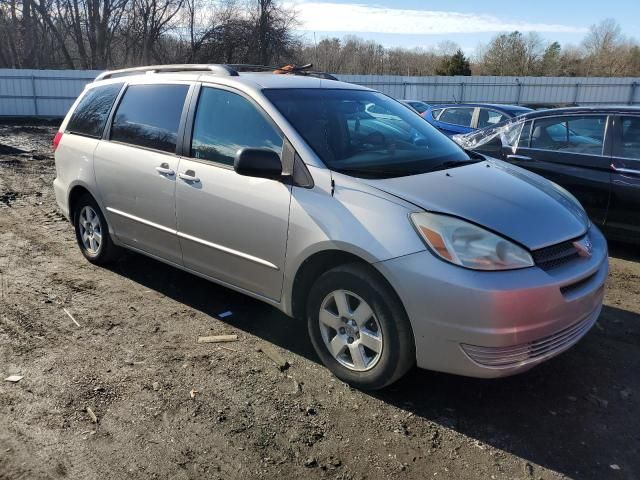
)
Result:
{"points": [[494, 324]]}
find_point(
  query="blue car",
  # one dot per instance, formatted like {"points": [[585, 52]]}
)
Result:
{"points": [[466, 117]]}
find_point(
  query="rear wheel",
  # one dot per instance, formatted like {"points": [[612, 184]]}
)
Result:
{"points": [[92, 232], [359, 328]]}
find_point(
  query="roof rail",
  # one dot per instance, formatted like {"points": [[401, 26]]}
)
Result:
{"points": [[223, 70]]}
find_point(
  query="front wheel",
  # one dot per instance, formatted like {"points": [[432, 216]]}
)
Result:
{"points": [[359, 328]]}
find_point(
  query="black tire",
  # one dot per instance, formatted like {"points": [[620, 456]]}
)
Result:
{"points": [[398, 346], [107, 251]]}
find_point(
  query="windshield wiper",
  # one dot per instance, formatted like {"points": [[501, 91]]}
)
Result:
{"points": [[370, 172], [453, 163]]}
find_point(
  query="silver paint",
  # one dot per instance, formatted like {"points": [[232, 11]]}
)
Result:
{"points": [[253, 235]]}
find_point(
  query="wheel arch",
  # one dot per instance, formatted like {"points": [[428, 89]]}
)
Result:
{"points": [[317, 264], [76, 191]]}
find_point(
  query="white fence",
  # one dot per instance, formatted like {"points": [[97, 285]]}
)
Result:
{"points": [[49, 93], [511, 90], [41, 93]]}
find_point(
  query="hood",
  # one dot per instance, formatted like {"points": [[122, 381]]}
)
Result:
{"points": [[509, 200]]}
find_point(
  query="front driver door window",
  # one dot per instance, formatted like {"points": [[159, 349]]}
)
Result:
{"points": [[231, 227]]}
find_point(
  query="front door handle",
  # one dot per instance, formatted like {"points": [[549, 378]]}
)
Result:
{"points": [[624, 170], [164, 169], [189, 176], [519, 157]]}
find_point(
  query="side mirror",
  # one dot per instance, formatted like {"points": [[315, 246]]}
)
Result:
{"points": [[258, 162]]}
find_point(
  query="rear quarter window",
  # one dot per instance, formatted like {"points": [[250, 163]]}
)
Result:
{"points": [[90, 116]]}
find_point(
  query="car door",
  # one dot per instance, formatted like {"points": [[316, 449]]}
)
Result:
{"points": [[232, 228], [624, 210], [571, 151], [454, 120], [136, 166]]}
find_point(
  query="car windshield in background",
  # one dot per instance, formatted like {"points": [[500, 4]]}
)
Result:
{"points": [[366, 134], [420, 107]]}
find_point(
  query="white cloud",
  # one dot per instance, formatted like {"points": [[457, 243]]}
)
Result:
{"points": [[339, 17]]}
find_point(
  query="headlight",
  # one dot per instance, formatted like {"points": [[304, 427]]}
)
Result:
{"points": [[468, 245]]}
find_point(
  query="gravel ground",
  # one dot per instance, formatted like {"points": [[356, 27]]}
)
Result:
{"points": [[168, 407]]}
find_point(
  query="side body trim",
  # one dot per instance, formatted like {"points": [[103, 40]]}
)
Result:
{"points": [[215, 246]]}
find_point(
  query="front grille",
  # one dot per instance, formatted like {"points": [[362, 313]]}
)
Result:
{"points": [[555, 255], [517, 355]]}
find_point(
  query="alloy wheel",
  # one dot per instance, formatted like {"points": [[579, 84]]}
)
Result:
{"points": [[90, 230], [350, 330]]}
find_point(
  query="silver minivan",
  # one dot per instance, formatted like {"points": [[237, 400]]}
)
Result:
{"points": [[393, 244]]}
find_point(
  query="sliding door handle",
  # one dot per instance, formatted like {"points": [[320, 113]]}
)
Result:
{"points": [[189, 176], [164, 169]]}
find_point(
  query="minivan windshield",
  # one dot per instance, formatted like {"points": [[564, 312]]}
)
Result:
{"points": [[366, 134]]}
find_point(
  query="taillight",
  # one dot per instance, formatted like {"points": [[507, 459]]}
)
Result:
{"points": [[56, 140]]}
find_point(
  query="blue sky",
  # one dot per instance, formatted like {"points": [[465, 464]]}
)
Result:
{"points": [[424, 23]]}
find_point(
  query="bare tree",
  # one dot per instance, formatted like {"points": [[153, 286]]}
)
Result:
{"points": [[96, 34], [605, 48]]}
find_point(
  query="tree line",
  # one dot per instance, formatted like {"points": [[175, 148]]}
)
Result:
{"points": [[604, 51], [107, 34]]}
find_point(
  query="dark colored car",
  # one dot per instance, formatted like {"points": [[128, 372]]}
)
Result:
{"points": [[467, 117], [593, 152]]}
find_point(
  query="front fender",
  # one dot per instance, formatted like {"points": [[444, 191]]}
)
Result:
{"points": [[353, 220]]}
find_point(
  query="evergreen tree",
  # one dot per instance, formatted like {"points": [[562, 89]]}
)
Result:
{"points": [[456, 64]]}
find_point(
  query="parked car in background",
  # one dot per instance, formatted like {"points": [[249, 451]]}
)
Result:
{"points": [[387, 241], [416, 105], [593, 152], [467, 117]]}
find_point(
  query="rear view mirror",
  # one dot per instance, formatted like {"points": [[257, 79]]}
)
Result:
{"points": [[258, 162], [350, 108]]}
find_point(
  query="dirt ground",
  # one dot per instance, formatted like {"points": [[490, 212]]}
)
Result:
{"points": [[168, 407]]}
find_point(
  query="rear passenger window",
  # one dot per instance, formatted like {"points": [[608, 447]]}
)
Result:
{"points": [[630, 147], [457, 116], [149, 116], [226, 122], [569, 134], [90, 116]]}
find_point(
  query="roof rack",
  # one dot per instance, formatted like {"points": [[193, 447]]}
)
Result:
{"points": [[221, 69]]}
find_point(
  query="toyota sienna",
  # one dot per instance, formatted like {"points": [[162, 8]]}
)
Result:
{"points": [[339, 206]]}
